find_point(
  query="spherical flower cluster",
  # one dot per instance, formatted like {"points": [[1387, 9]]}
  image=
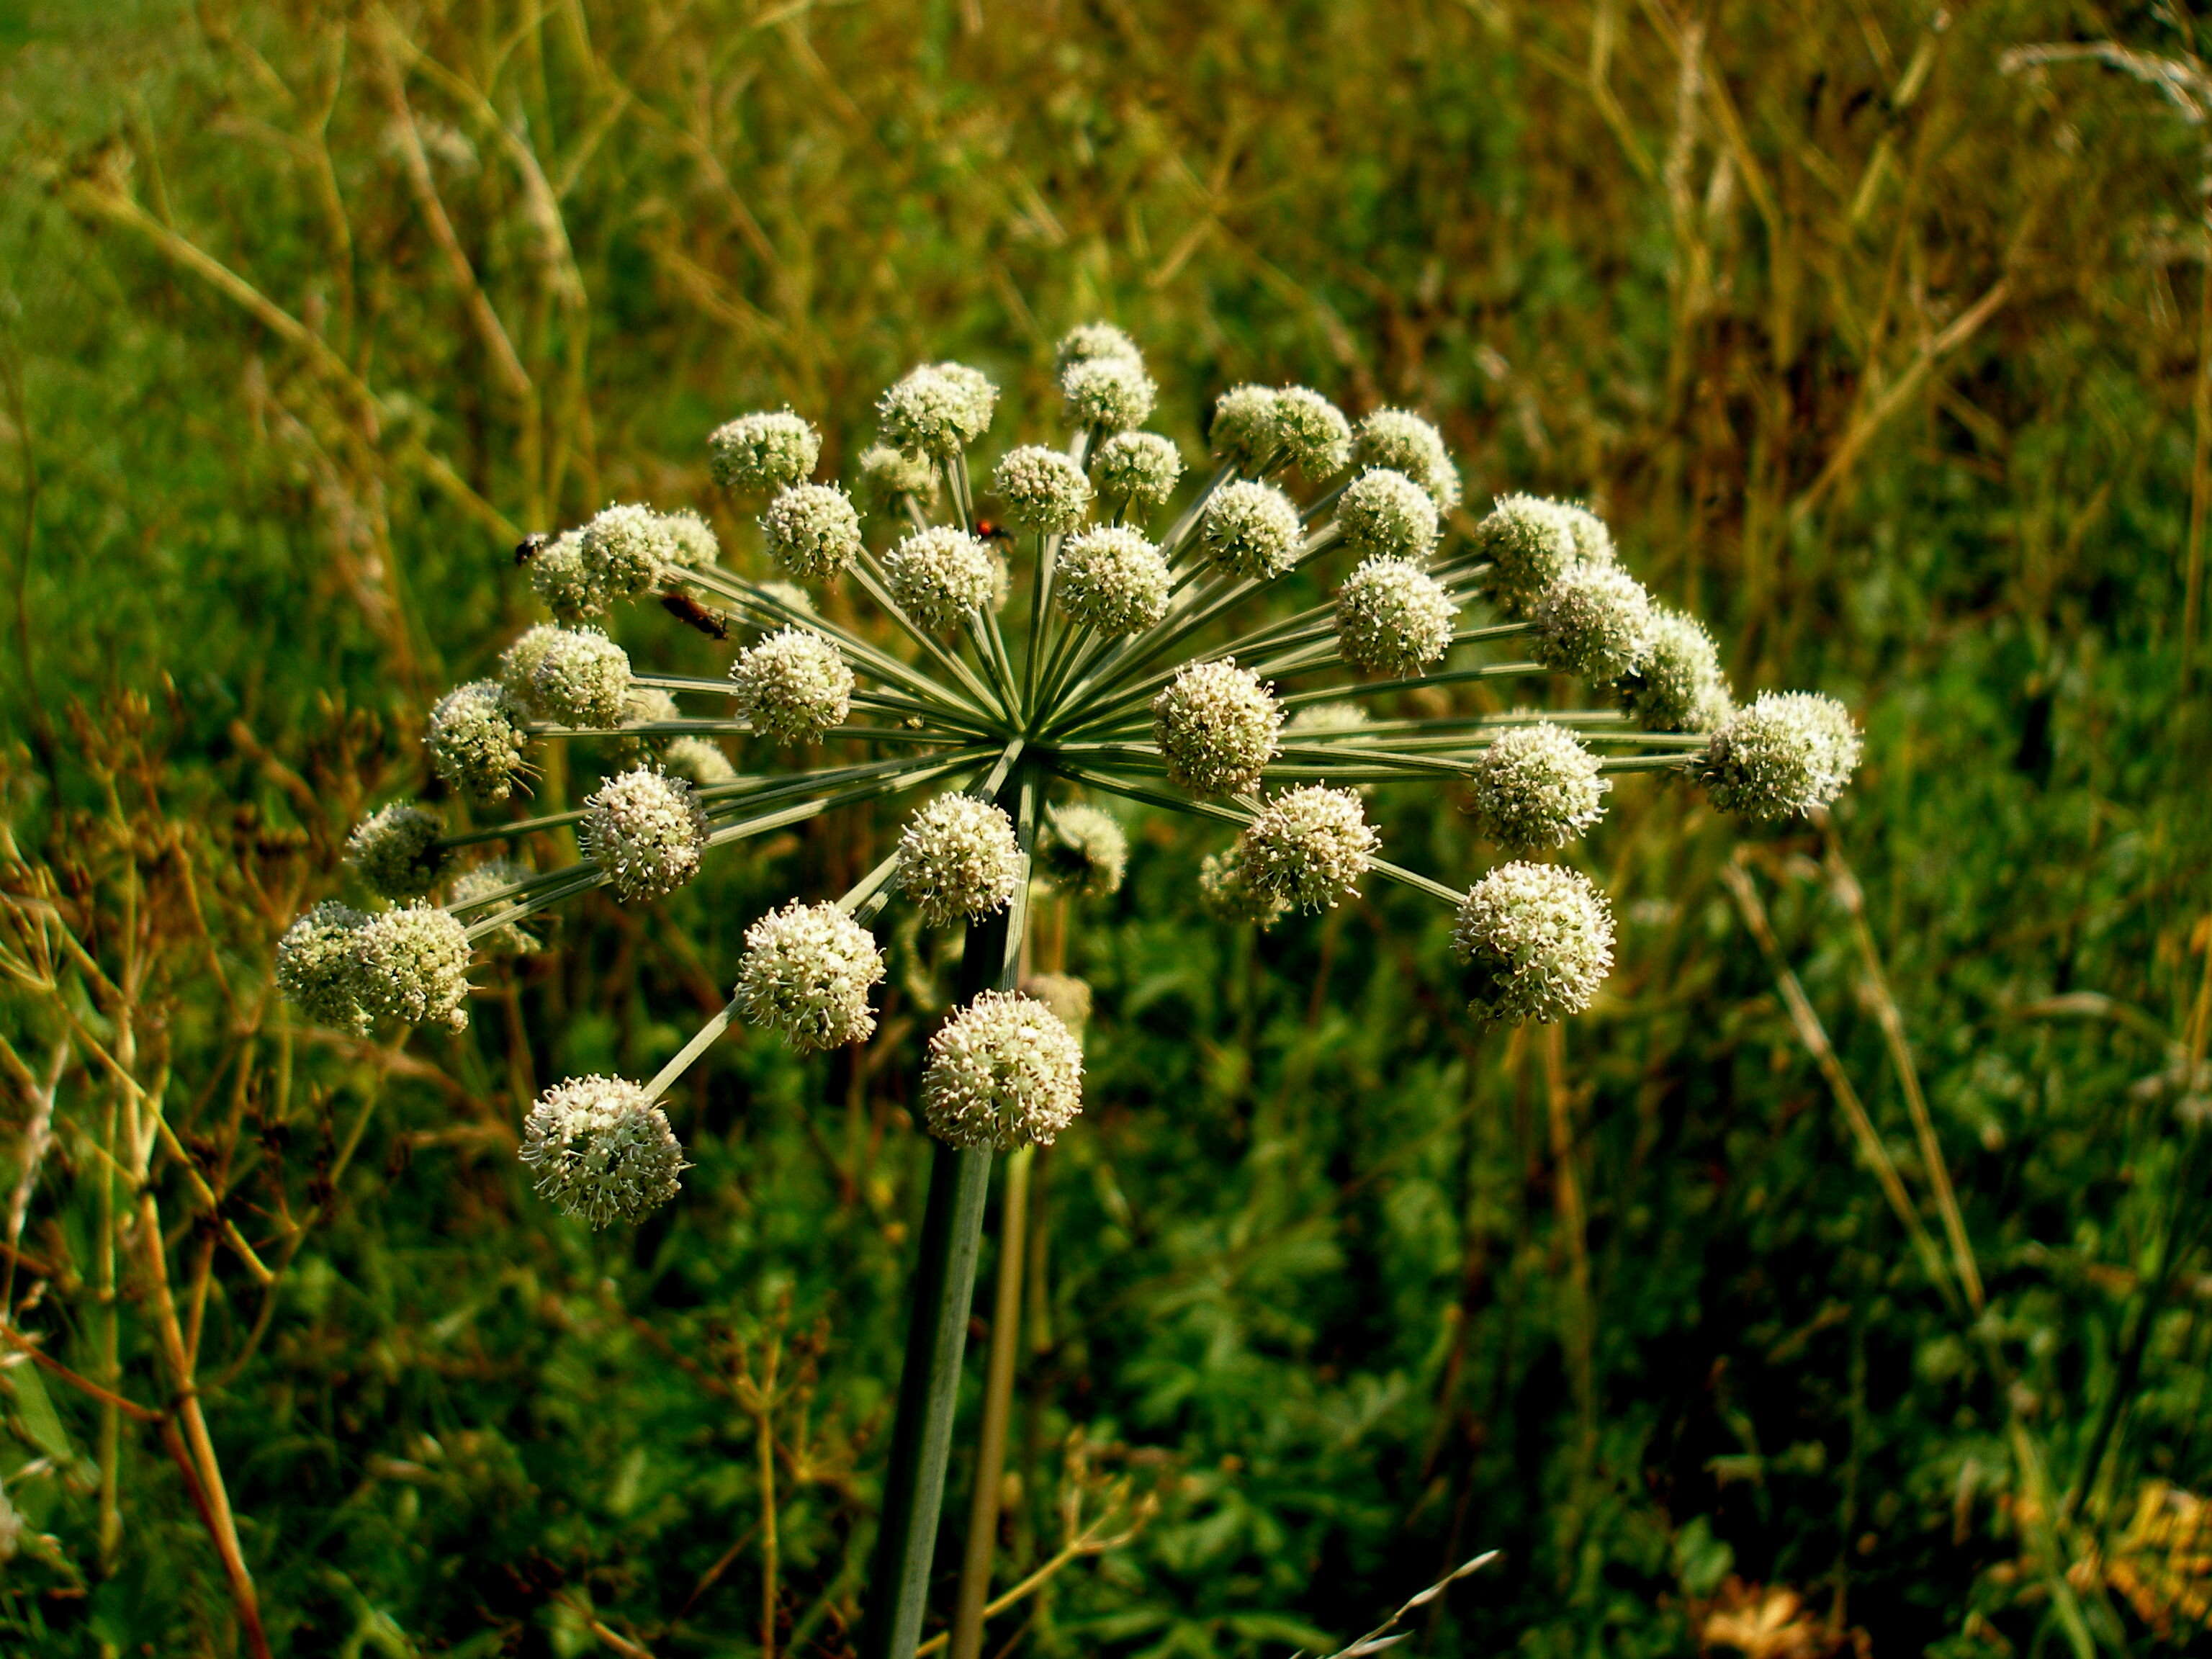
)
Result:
{"points": [[763, 452], [563, 584], [1402, 441], [1226, 892], [1681, 687], [602, 1151], [582, 679], [1392, 618], [692, 542], [699, 762], [1139, 468], [413, 965], [1068, 997], [474, 887], [1536, 787], [1215, 724], [476, 740], [1112, 579], [1384, 512], [812, 531], [1109, 393], [1310, 432], [1089, 343], [1593, 541], [318, 968], [1530, 546], [1002, 1073], [1042, 489], [887, 473], [1337, 714], [1785, 754], [1083, 851], [518, 664], [938, 409], [1308, 846], [645, 831], [395, 851], [958, 860], [790, 595], [646, 705], [1595, 621], [793, 685], [1244, 430], [939, 575], [625, 549], [1536, 940], [807, 971], [1251, 530]]}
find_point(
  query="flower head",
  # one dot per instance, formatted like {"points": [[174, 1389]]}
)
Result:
{"points": [[563, 583], [693, 545], [1068, 997], [646, 705], [1310, 432], [1787, 753], [1042, 489], [1244, 430], [1337, 714], [602, 1151], [763, 452], [807, 971], [1089, 342], [939, 575], [1593, 541], [1109, 393], [1595, 620], [581, 680], [1530, 544], [1387, 512], [1402, 441], [1139, 468], [938, 409], [645, 830], [958, 860], [699, 762], [1112, 579], [1251, 529], [1536, 940], [474, 887], [1227, 892], [1308, 846], [625, 549], [1536, 787], [476, 740], [518, 664], [793, 685], [1215, 724], [318, 968], [1003, 1073], [812, 531], [1392, 618], [1681, 687], [413, 965], [887, 473], [1083, 850], [395, 851]]}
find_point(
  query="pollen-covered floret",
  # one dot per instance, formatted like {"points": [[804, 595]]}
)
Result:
{"points": [[1530, 544], [518, 664], [1042, 489], [582, 679], [1594, 620], [413, 965], [958, 860], [1083, 851], [559, 578], [602, 1151], [763, 452], [812, 531], [693, 545], [1088, 342], [1785, 754], [1215, 724], [1310, 432], [1112, 579], [793, 685], [1308, 846], [1109, 393], [1386, 512], [1536, 940], [939, 575], [625, 549], [938, 409], [1536, 787], [472, 888], [807, 971], [1226, 892], [1250, 529], [476, 740], [1404, 442], [646, 830], [1680, 687], [887, 473], [1068, 997], [395, 851], [1393, 618], [1137, 468], [318, 969], [699, 762], [1003, 1073], [1244, 430]]}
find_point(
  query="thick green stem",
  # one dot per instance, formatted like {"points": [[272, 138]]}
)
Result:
{"points": [[998, 1404]]}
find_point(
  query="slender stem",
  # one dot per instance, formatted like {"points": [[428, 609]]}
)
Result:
{"points": [[1450, 677], [872, 578], [998, 1402], [703, 1040]]}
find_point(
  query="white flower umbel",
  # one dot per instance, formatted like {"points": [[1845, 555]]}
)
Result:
{"points": [[1083, 851], [812, 531], [1680, 687], [602, 1151], [1595, 621], [1112, 579], [1068, 997], [518, 664], [763, 452], [1244, 430], [1784, 755], [476, 742], [1217, 726], [693, 545], [1402, 441], [1226, 892], [793, 686], [940, 575], [938, 409], [1536, 787], [1136, 472], [475, 887], [1536, 941], [1392, 617], [1108, 393], [1088, 342], [889, 475], [1042, 489], [1003, 1073], [582, 679], [645, 831], [1529, 544], [698, 761], [624, 550], [413, 965], [395, 852], [318, 968], [564, 585], [807, 972], [1387, 514], [1308, 846], [958, 860], [1251, 530], [1311, 433]]}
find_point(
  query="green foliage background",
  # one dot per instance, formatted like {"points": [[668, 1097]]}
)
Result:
{"points": [[1886, 354]]}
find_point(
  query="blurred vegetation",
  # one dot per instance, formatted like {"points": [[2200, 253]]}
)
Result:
{"points": [[1836, 1285]]}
